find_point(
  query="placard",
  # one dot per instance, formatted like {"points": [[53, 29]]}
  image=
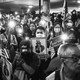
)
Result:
{"points": [[56, 41], [39, 45]]}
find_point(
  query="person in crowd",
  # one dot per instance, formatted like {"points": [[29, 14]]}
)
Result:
{"points": [[3, 39], [41, 33], [19, 33], [26, 62], [40, 74], [25, 27], [32, 28], [2, 45], [69, 24], [27, 30], [12, 44], [74, 17], [71, 37], [59, 18], [70, 68], [57, 29], [5, 64]]}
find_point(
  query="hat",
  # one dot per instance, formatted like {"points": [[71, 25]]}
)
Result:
{"points": [[25, 44]]}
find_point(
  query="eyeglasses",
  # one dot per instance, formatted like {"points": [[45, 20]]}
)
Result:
{"points": [[39, 32], [74, 58]]}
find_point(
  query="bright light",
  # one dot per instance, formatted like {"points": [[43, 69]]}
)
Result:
{"points": [[0, 16], [28, 10], [0, 26], [51, 33], [11, 24], [16, 12], [19, 30], [26, 38], [64, 37], [78, 1], [30, 6]]}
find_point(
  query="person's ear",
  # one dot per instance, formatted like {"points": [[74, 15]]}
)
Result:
{"points": [[62, 60]]}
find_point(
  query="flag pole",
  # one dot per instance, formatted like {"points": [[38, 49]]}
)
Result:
{"points": [[65, 11]]}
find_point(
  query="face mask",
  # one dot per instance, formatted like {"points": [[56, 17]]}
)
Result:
{"points": [[24, 49], [40, 34], [57, 30], [69, 24]]}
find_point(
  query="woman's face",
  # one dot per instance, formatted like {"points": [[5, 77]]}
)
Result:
{"points": [[69, 24], [32, 27], [57, 28]]}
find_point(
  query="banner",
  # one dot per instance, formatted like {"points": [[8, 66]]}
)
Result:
{"points": [[56, 41], [6, 65], [6, 69]]}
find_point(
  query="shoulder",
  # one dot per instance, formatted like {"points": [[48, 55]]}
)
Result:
{"points": [[51, 76], [54, 76]]}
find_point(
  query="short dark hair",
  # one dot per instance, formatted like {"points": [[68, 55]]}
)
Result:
{"points": [[73, 39], [41, 28], [26, 43]]}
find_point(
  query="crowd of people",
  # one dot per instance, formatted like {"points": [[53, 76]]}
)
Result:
{"points": [[54, 59]]}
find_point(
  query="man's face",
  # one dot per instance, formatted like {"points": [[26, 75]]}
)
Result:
{"points": [[71, 36], [73, 61], [25, 49], [40, 33]]}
